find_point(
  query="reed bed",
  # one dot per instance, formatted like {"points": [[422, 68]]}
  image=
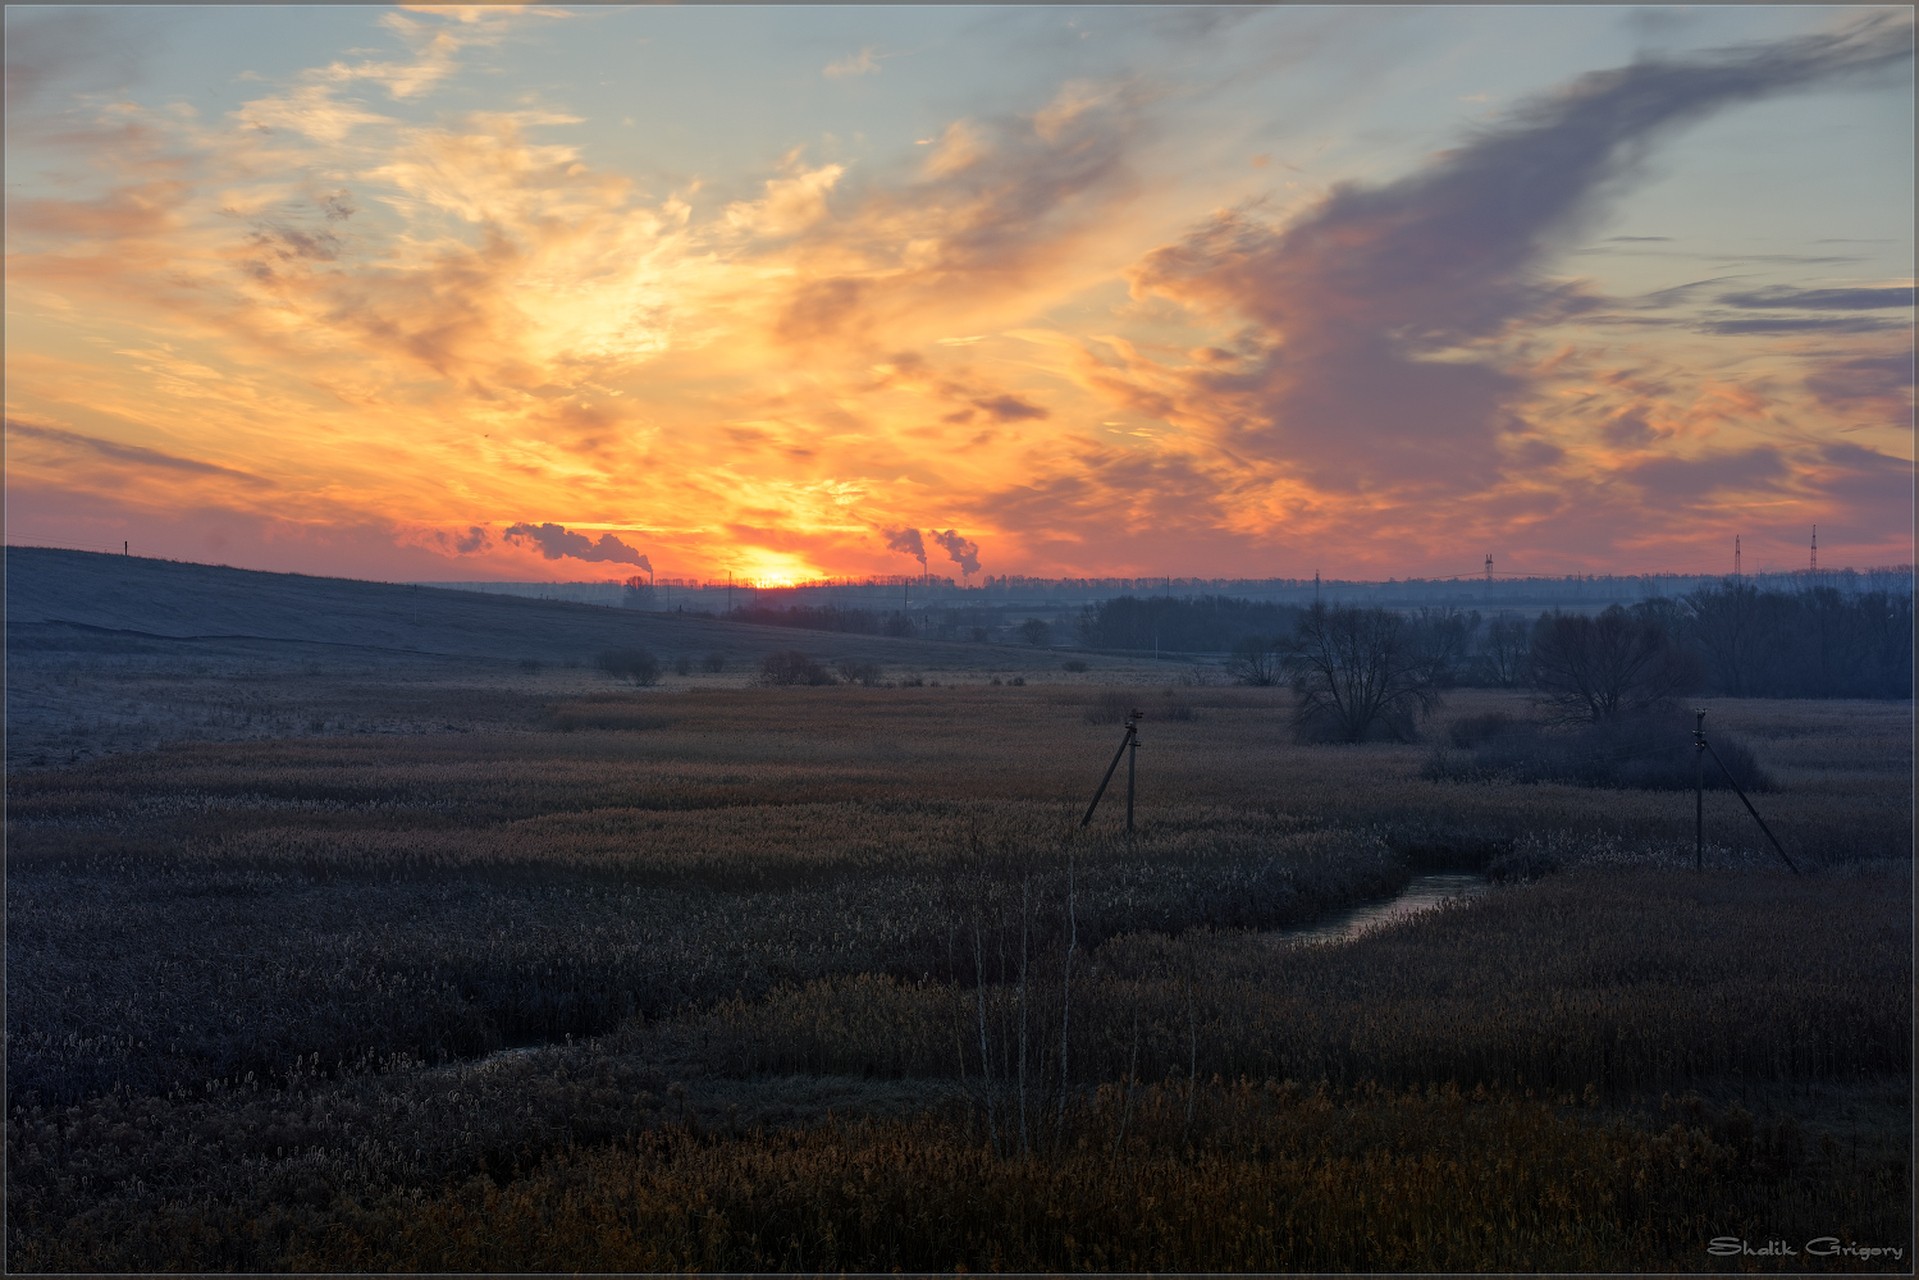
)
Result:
{"points": [[258, 996]]}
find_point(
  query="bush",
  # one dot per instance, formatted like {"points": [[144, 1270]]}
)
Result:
{"points": [[682, 666], [1112, 706], [1470, 731], [866, 674], [636, 664], [713, 663], [790, 666], [1072, 664], [1256, 660], [530, 665], [1651, 751]]}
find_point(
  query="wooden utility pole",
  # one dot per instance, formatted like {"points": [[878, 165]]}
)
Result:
{"points": [[1699, 791], [1132, 769]]}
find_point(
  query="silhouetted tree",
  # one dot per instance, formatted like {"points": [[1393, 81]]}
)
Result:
{"points": [[1723, 624], [1504, 652], [1256, 660], [1589, 669], [1358, 672], [1442, 634], [1036, 632]]}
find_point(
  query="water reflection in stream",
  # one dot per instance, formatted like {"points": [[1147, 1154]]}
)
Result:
{"points": [[1422, 893]]}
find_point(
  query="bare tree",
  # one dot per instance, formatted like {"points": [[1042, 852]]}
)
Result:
{"points": [[1726, 626], [1442, 635], [1507, 647], [1589, 669], [1358, 672], [1256, 660]]}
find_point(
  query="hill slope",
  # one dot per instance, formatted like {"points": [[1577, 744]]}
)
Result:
{"points": [[110, 653]]}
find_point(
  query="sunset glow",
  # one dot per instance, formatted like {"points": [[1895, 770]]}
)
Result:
{"points": [[536, 292]]}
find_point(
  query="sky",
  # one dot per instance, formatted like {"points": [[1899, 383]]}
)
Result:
{"points": [[565, 293]]}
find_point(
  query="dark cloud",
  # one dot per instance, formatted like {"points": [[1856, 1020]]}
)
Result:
{"points": [[474, 539], [822, 309], [1628, 430], [1009, 408], [1690, 478], [1801, 324], [908, 541], [133, 454], [964, 552], [1861, 381], [1360, 296], [1877, 486], [70, 49], [338, 207], [1782, 298], [555, 541], [288, 243]]}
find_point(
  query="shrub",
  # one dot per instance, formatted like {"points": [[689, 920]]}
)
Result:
{"points": [[1112, 706], [1074, 665], [1470, 731], [636, 664], [790, 666], [530, 665], [866, 674], [682, 666], [713, 663], [1651, 751], [1256, 660]]}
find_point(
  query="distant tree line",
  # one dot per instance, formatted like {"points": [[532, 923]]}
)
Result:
{"points": [[1182, 624], [860, 622], [1733, 639]]}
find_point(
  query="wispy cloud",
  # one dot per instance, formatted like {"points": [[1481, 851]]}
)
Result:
{"points": [[128, 454], [405, 282], [1802, 324], [1779, 297], [864, 63], [1371, 356]]}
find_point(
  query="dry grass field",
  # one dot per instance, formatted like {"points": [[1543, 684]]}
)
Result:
{"points": [[442, 963]]}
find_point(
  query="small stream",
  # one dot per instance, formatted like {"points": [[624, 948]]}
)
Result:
{"points": [[1422, 893]]}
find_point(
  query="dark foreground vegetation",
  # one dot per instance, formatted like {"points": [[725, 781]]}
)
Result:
{"points": [[798, 978]]}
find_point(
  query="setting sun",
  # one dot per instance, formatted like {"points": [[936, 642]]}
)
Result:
{"points": [[363, 291]]}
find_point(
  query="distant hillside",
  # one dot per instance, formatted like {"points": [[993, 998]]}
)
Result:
{"points": [[108, 654], [183, 601]]}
